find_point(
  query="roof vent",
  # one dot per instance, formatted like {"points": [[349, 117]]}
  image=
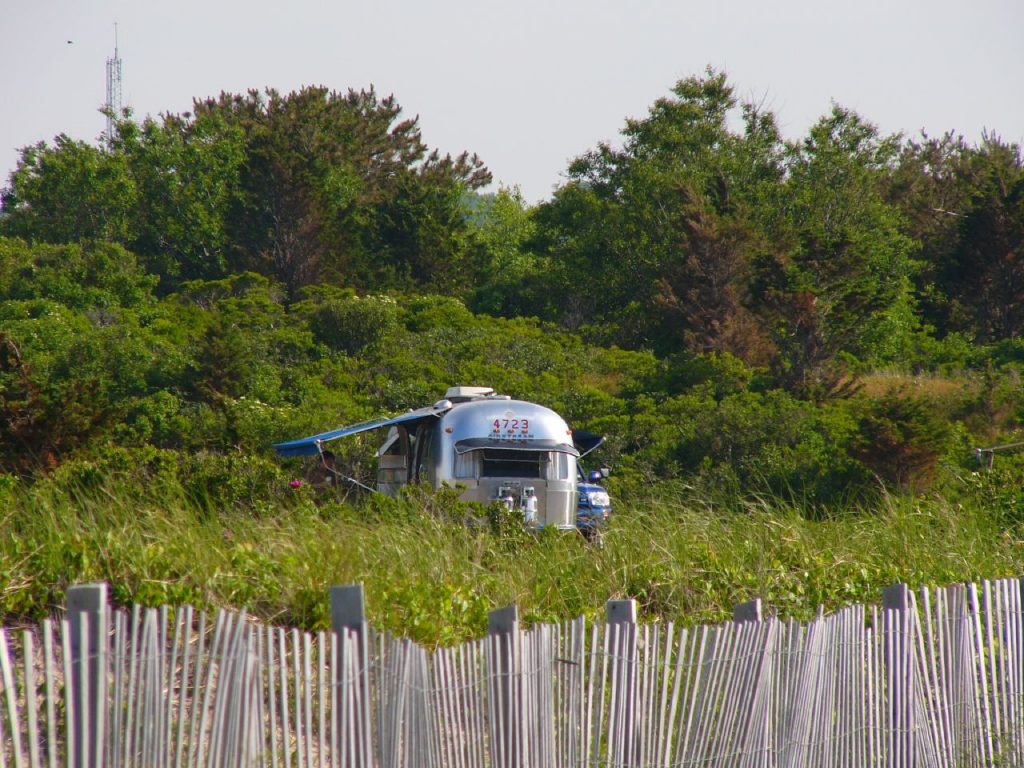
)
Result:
{"points": [[463, 394]]}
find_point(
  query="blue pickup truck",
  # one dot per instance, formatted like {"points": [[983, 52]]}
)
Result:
{"points": [[594, 505]]}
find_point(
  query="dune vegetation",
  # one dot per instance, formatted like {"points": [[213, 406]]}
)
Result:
{"points": [[794, 348]]}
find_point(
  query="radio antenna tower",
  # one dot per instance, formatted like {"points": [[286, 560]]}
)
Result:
{"points": [[113, 104]]}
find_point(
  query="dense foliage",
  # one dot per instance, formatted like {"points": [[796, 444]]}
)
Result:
{"points": [[822, 322]]}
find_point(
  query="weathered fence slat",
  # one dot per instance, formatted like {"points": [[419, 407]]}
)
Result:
{"points": [[52, 745], [132, 658], [183, 683], [5, 743], [11, 700], [69, 709], [31, 698]]}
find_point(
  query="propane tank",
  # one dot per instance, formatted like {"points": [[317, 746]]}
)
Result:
{"points": [[529, 507], [507, 499]]}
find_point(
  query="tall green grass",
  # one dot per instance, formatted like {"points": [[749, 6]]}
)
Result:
{"points": [[430, 576]]}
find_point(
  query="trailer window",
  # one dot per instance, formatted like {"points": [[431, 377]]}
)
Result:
{"points": [[467, 464], [561, 467], [498, 462]]}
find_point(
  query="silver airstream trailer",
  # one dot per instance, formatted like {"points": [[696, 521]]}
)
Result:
{"points": [[519, 453]]}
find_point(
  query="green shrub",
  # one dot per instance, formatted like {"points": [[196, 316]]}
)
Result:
{"points": [[900, 439], [345, 322], [221, 482]]}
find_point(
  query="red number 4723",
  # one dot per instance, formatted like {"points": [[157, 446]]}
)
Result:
{"points": [[511, 426]]}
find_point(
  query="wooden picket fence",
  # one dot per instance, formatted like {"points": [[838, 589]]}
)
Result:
{"points": [[928, 679]]}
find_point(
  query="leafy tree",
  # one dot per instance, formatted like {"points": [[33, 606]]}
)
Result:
{"points": [[509, 278], [930, 186], [68, 192], [701, 298], [186, 173], [984, 276], [654, 237], [337, 186], [963, 204], [502, 226], [313, 185], [94, 276], [835, 288]]}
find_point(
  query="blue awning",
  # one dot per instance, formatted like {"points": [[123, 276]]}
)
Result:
{"points": [[310, 446]]}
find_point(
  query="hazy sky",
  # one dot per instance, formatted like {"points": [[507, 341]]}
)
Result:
{"points": [[528, 84]]}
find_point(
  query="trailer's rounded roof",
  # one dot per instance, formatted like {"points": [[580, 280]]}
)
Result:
{"points": [[497, 420]]}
